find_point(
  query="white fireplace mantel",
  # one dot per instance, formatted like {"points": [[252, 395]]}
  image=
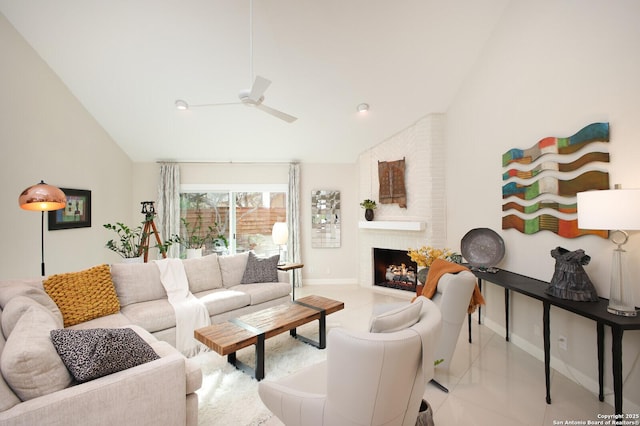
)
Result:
{"points": [[393, 225]]}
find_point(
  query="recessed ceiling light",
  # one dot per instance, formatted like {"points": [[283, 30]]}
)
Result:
{"points": [[363, 107], [182, 105]]}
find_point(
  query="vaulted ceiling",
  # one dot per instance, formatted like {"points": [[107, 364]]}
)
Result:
{"points": [[128, 61]]}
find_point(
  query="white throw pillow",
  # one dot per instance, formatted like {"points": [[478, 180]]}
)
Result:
{"points": [[7, 398], [137, 282], [30, 364], [397, 319], [14, 311], [31, 288], [203, 273], [232, 268]]}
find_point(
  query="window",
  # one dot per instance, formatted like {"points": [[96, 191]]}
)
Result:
{"points": [[239, 220]]}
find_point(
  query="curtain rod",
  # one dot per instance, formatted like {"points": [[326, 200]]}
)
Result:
{"points": [[279, 163]]}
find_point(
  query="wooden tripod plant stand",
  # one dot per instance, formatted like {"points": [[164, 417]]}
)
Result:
{"points": [[149, 228]]}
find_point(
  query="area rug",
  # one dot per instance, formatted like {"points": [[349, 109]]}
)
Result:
{"points": [[230, 397]]}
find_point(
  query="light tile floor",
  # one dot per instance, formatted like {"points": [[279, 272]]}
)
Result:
{"points": [[490, 381]]}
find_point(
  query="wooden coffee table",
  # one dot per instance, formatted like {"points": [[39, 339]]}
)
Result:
{"points": [[253, 329]]}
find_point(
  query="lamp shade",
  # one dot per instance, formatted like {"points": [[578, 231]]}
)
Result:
{"points": [[280, 233], [613, 209], [42, 197]]}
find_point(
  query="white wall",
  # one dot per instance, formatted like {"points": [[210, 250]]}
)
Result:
{"points": [[550, 68], [330, 265], [45, 133]]}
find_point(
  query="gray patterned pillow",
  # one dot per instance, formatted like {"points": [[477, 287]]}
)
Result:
{"points": [[261, 270], [93, 353]]}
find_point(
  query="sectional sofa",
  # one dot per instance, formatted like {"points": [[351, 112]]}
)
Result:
{"points": [[36, 384]]}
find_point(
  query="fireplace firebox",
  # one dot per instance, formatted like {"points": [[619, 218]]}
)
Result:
{"points": [[394, 269]]}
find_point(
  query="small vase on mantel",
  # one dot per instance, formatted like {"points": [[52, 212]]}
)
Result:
{"points": [[368, 214], [368, 206]]}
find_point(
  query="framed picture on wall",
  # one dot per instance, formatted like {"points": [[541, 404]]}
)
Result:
{"points": [[77, 212]]}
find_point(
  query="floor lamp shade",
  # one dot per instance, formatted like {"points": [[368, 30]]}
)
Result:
{"points": [[42, 197], [614, 210]]}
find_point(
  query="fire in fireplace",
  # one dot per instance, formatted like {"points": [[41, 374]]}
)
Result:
{"points": [[394, 269]]}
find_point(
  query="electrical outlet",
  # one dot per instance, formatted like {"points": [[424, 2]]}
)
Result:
{"points": [[562, 342]]}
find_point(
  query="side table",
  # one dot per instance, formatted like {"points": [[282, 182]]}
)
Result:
{"points": [[290, 267]]}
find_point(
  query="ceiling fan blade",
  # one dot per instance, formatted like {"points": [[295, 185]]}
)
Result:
{"points": [[216, 104], [260, 85], [281, 115]]}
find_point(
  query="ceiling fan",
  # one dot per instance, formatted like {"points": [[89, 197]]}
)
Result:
{"points": [[253, 97]]}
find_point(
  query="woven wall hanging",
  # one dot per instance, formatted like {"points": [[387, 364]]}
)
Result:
{"points": [[392, 187]]}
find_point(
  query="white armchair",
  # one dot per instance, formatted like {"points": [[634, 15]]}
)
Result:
{"points": [[367, 379], [452, 297]]}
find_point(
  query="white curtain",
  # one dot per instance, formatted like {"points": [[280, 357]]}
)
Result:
{"points": [[293, 219], [169, 204]]}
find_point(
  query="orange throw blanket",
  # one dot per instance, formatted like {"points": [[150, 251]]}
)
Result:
{"points": [[438, 268]]}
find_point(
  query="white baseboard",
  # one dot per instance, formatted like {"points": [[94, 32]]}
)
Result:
{"points": [[561, 367], [330, 281]]}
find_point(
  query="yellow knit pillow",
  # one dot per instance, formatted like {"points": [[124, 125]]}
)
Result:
{"points": [[85, 295]]}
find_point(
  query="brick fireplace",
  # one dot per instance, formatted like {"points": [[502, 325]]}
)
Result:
{"points": [[423, 222]]}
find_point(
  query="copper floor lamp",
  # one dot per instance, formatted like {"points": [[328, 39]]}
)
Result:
{"points": [[42, 197]]}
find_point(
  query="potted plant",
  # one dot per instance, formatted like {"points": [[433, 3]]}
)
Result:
{"points": [[128, 243], [369, 206], [195, 238]]}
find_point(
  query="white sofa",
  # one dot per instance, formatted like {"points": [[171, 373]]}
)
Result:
{"points": [[215, 280], [35, 386]]}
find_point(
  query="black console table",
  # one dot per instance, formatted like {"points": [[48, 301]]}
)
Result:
{"points": [[596, 311]]}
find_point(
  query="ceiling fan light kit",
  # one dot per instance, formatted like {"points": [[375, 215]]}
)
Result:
{"points": [[182, 105]]}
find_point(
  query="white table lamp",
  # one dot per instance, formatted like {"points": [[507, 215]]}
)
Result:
{"points": [[280, 236], [616, 210]]}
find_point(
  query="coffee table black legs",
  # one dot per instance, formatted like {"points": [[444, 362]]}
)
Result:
{"points": [[322, 329], [258, 371], [322, 333]]}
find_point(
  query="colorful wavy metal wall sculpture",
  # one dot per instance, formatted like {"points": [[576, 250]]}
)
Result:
{"points": [[541, 182]]}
